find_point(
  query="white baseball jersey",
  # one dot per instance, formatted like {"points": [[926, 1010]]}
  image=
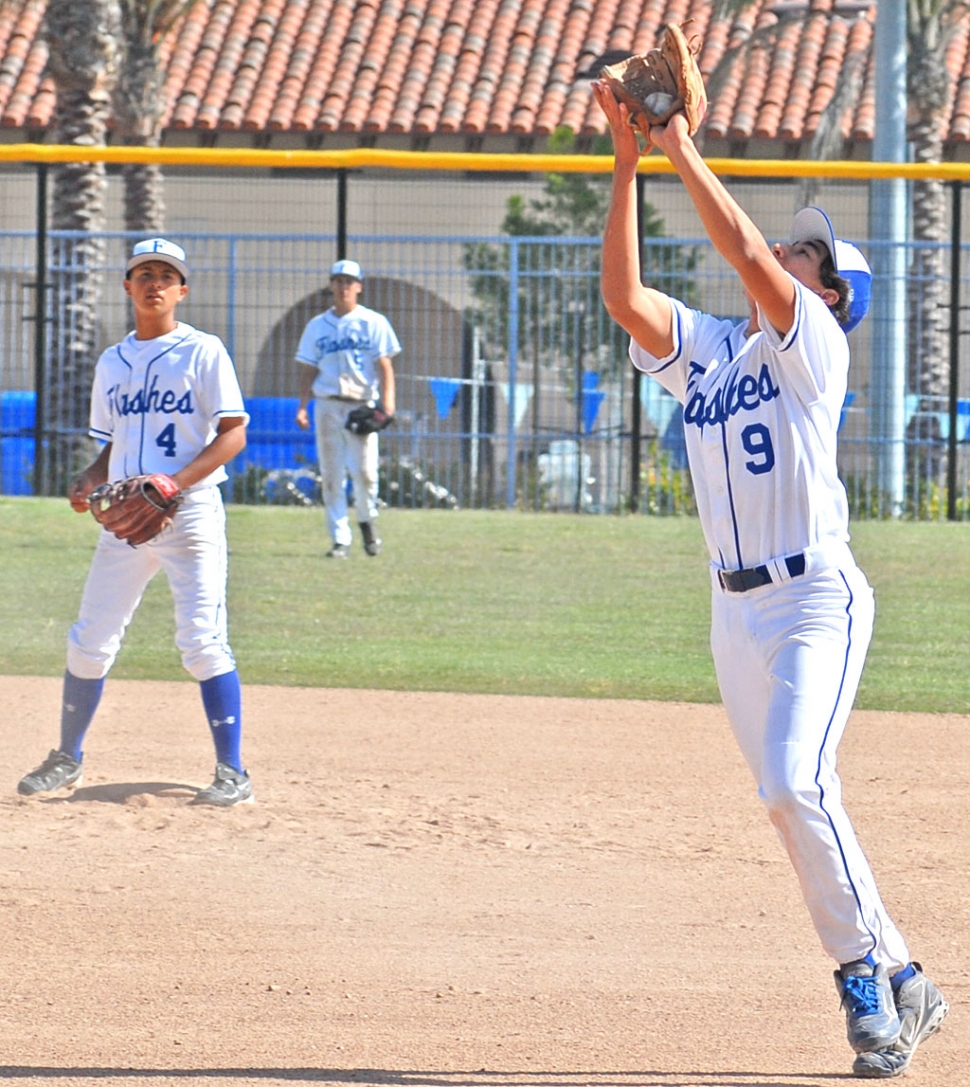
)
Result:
{"points": [[159, 401], [345, 350], [761, 417]]}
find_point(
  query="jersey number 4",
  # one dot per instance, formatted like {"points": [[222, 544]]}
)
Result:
{"points": [[756, 440], [166, 440]]}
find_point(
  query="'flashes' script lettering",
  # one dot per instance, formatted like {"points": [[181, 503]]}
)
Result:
{"points": [[150, 400], [742, 393]]}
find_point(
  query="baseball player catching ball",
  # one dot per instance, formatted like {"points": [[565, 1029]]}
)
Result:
{"points": [[167, 405], [792, 613], [345, 364]]}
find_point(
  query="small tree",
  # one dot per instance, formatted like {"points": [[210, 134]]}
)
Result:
{"points": [[560, 314]]}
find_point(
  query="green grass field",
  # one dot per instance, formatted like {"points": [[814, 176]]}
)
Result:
{"points": [[488, 602]]}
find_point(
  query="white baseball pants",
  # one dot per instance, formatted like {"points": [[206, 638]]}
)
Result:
{"points": [[789, 657], [193, 554], [341, 454]]}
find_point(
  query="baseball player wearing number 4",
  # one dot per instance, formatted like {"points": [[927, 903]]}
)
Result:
{"points": [[345, 364], [166, 402], [792, 613]]}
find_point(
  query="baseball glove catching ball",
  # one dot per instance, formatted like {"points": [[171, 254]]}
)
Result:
{"points": [[136, 509], [656, 85], [367, 420]]}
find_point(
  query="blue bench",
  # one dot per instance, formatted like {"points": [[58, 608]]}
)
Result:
{"points": [[273, 440], [17, 414]]}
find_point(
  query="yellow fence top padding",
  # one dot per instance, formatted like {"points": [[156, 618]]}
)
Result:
{"points": [[361, 157]]}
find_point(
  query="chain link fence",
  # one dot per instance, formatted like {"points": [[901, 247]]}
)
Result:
{"points": [[514, 386]]}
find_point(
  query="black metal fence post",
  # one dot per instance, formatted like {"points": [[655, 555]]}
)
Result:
{"points": [[955, 242], [341, 214], [636, 413]]}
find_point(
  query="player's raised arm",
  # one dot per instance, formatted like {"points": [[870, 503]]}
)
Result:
{"points": [[642, 311], [728, 226]]}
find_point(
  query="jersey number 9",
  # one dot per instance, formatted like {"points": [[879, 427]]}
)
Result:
{"points": [[756, 440]]}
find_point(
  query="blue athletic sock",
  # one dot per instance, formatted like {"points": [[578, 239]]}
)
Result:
{"points": [[79, 700], [907, 972], [222, 698]]}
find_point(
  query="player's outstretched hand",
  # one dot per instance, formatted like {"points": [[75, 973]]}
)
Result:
{"points": [[626, 146], [667, 136]]}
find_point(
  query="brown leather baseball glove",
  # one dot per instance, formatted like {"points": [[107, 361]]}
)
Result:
{"points": [[656, 85], [136, 509]]}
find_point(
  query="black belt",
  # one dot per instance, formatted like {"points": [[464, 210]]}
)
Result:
{"points": [[740, 581]]}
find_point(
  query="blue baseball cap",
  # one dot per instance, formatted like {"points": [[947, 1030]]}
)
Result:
{"points": [[346, 268], [813, 225], [158, 249]]}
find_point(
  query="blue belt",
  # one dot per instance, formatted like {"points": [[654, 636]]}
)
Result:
{"points": [[740, 581]]}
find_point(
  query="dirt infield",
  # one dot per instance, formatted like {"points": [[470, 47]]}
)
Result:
{"points": [[450, 891]]}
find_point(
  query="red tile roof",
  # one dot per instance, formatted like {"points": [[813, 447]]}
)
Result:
{"points": [[347, 70]]}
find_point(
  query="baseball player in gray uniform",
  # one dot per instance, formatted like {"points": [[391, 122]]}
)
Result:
{"points": [[792, 613], [165, 400], [345, 360]]}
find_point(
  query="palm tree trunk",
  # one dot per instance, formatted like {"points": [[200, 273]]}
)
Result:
{"points": [[140, 104], [82, 40], [928, 378], [144, 197], [930, 28]]}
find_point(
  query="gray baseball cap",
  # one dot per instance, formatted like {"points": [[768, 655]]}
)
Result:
{"points": [[158, 249]]}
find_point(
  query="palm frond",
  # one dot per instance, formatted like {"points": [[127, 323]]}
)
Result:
{"points": [[147, 22]]}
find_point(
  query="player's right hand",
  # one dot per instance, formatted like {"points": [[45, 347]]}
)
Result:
{"points": [[77, 495], [668, 136], [79, 491], [303, 419]]}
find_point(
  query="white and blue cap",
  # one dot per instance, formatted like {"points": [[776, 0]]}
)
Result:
{"points": [[158, 249], [813, 225], [346, 268]]}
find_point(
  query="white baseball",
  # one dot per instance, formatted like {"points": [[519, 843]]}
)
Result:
{"points": [[659, 103]]}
